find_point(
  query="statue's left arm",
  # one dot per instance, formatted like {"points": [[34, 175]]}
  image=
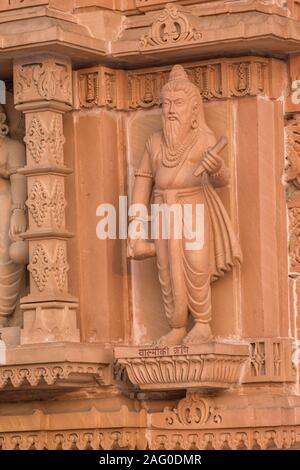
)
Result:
{"points": [[16, 161]]}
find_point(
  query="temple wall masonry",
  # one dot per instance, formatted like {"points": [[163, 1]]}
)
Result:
{"points": [[126, 343]]}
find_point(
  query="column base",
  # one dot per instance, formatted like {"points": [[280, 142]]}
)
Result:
{"points": [[50, 322]]}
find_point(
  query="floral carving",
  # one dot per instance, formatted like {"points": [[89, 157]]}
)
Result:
{"points": [[174, 26], [60, 268], [192, 411], [40, 202], [48, 78], [36, 139], [42, 141], [42, 265]]}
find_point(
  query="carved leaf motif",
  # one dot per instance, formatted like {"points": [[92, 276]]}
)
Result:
{"points": [[58, 203], [36, 139], [45, 79], [56, 141], [60, 268], [40, 267], [39, 139], [38, 203]]}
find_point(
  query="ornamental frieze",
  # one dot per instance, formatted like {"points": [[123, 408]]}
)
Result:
{"points": [[140, 89]]}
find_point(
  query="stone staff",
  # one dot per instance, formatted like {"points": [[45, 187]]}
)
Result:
{"points": [[220, 145]]}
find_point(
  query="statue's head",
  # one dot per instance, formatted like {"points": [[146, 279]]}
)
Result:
{"points": [[3, 126], [182, 108]]}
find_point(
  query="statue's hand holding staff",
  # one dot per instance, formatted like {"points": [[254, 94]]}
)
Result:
{"points": [[212, 162]]}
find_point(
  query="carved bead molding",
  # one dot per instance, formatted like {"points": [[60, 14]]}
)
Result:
{"points": [[60, 374], [175, 26], [141, 439], [270, 361], [216, 79], [210, 366], [43, 78]]}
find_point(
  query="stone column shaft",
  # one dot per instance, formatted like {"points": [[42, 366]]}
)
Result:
{"points": [[43, 91]]}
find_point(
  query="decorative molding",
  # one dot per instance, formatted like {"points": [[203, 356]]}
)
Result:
{"points": [[194, 410], [141, 439], [209, 366], [225, 439], [97, 86], [270, 361], [42, 266], [40, 202], [216, 79], [175, 26], [43, 78], [35, 375]]}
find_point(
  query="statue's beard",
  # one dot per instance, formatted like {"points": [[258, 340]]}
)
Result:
{"points": [[175, 133]]}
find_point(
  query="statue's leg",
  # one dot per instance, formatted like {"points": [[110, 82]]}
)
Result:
{"points": [[197, 271], [171, 278]]}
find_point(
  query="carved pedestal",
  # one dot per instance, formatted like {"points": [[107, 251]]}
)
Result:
{"points": [[212, 366]]}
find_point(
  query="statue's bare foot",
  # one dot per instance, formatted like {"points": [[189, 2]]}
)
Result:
{"points": [[173, 338], [201, 333]]}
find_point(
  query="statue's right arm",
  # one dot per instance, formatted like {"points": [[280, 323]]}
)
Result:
{"points": [[143, 183], [141, 248]]}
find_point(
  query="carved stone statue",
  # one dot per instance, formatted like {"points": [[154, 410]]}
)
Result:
{"points": [[181, 165], [12, 220]]}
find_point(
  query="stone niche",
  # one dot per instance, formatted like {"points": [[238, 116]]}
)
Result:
{"points": [[85, 372]]}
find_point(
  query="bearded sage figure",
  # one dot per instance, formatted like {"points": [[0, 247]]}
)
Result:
{"points": [[181, 166], [12, 220]]}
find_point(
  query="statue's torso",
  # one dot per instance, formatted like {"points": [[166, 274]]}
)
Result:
{"points": [[182, 175]]}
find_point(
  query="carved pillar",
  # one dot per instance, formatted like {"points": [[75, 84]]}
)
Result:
{"points": [[43, 91]]}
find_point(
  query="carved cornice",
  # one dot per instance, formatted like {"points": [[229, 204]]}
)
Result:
{"points": [[53, 374], [138, 89], [211, 366]]}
